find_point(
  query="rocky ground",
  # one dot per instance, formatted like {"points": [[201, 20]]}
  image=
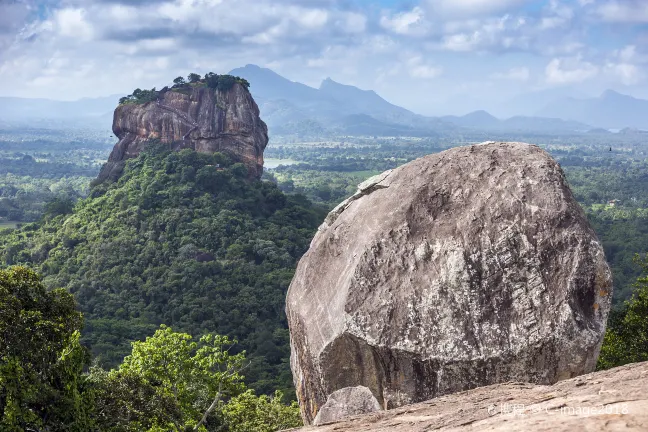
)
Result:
{"points": [[613, 400]]}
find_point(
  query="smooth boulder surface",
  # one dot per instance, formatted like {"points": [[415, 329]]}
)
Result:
{"points": [[460, 269], [198, 118]]}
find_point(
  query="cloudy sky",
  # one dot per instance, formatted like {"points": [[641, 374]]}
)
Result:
{"points": [[432, 56]]}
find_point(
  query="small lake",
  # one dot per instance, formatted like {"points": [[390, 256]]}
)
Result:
{"points": [[270, 163]]}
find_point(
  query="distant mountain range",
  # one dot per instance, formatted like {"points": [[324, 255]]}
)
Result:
{"points": [[290, 107], [286, 105], [611, 110], [481, 120]]}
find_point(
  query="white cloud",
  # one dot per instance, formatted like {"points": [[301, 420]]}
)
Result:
{"points": [[503, 33], [465, 8], [624, 11], [420, 69], [72, 23], [352, 22], [624, 67], [569, 71], [98, 47], [557, 15], [627, 73], [405, 22], [513, 74]]}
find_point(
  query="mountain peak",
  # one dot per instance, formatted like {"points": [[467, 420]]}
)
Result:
{"points": [[480, 114], [611, 94], [328, 81]]}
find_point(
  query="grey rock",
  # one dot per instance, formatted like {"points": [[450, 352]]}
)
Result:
{"points": [[461, 269], [198, 118], [347, 402]]}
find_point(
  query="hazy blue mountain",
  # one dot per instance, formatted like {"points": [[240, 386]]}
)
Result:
{"points": [[611, 110], [482, 120], [363, 124], [474, 120], [368, 102], [543, 124], [599, 131], [269, 85], [632, 131], [531, 103]]}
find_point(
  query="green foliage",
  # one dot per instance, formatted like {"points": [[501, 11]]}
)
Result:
{"points": [[140, 96], [126, 402], [185, 239], [191, 373], [168, 382], [626, 339], [59, 206], [211, 80], [250, 413], [40, 358]]}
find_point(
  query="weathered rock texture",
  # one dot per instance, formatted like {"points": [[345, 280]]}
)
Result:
{"points": [[461, 269], [347, 402], [202, 119], [614, 400]]}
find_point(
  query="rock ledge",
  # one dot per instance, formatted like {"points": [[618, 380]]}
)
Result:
{"points": [[612, 400]]}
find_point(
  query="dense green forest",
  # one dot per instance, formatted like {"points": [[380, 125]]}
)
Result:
{"points": [[39, 166], [170, 382], [181, 239]]}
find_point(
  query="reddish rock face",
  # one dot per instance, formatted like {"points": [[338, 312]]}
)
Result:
{"points": [[201, 119]]}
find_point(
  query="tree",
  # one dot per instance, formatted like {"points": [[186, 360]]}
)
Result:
{"points": [[126, 402], [59, 206], [212, 79], [250, 413], [193, 77], [179, 81], [195, 375], [226, 82], [626, 339], [41, 359]]}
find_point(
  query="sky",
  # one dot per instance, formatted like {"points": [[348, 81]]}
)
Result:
{"points": [[431, 56]]}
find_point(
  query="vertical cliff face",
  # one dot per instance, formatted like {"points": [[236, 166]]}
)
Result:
{"points": [[200, 118]]}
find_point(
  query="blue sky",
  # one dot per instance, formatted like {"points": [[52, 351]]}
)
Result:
{"points": [[432, 56]]}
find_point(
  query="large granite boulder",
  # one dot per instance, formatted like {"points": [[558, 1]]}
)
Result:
{"points": [[199, 118], [461, 269]]}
